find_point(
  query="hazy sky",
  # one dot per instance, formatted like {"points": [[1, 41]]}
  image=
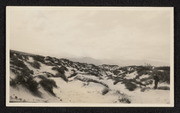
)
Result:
{"points": [[113, 34]]}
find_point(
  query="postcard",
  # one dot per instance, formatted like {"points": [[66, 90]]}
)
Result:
{"points": [[89, 56]]}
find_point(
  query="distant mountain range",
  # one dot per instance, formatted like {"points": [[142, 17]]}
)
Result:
{"points": [[118, 62]]}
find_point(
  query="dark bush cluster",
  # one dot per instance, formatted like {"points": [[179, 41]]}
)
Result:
{"points": [[124, 100], [17, 62], [15, 70], [17, 55], [130, 86], [61, 72], [116, 72], [61, 69], [72, 75], [95, 73], [165, 68], [48, 85], [50, 61], [164, 76], [23, 74], [62, 76], [48, 74], [35, 64], [105, 91], [13, 83], [163, 88], [26, 81], [143, 70], [32, 85], [39, 58]]}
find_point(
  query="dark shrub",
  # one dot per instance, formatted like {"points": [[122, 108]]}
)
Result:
{"points": [[27, 71], [20, 79], [143, 70], [116, 81], [11, 54], [64, 68], [130, 86], [35, 64], [14, 70], [60, 69], [94, 73], [20, 66], [105, 91], [15, 61], [32, 86], [55, 68], [39, 58], [163, 76], [48, 74], [145, 88], [61, 72], [72, 75], [28, 82], [116, 72], [62, 76], [49, 61], [163, 88], [146, 79], [42, 77], [166, 68], [48, 85], [13, 83], [125, 100]]}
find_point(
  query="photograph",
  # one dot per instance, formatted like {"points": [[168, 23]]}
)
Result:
{"points": [[64, 56]]}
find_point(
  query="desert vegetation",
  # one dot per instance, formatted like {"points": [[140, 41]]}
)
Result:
{"points": [[39, 74]]}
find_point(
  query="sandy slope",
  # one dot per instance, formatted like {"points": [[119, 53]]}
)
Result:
{"points": [[76, 91]]}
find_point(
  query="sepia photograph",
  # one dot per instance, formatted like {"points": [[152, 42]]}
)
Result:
{"points": [[89, 56]]}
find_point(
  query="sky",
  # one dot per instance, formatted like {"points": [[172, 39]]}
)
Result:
{"points": [[123, 36]]}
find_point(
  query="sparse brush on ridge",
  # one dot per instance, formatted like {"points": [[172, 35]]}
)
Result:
{"points": [[35, 64], [94, 73], [19, 65], [116, 72], [61, 72], [17, 62], [39, 58]]}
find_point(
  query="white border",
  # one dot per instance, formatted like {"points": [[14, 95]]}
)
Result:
{"points": [[8, 17]]}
